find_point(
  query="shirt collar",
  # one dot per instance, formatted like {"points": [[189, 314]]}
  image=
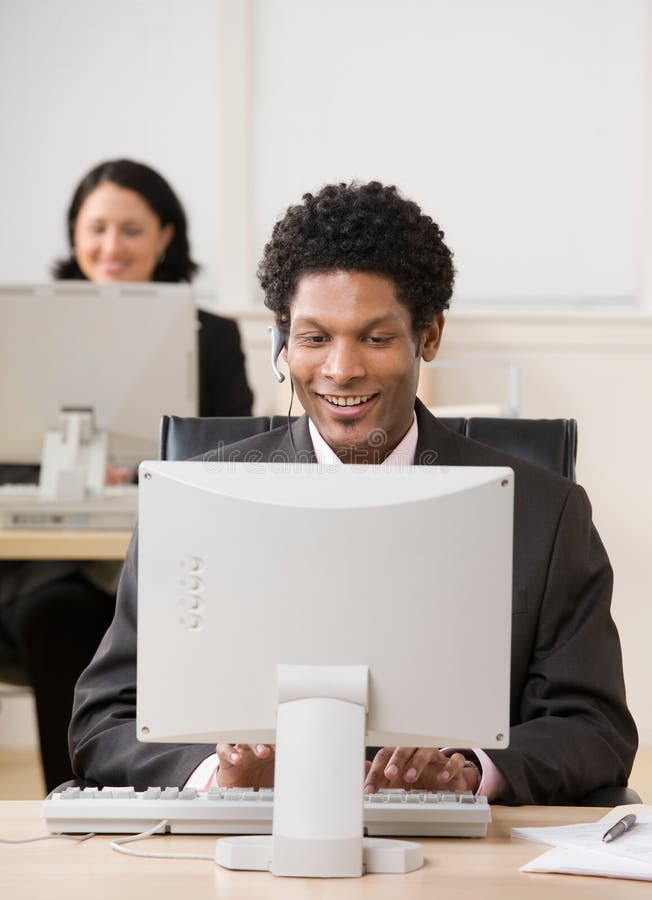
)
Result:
{"points": [[402, 455]]}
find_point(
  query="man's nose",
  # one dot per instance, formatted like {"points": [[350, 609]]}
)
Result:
{"points": [[344, 362]]}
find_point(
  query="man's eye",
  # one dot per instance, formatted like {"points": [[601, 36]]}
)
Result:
{"points": [[312, 339], [132, 232], [379, 339]]}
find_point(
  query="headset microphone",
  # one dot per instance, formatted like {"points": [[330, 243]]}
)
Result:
{"points": [[277, 337]]}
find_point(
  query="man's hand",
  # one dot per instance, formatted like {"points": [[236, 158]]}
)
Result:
{"points": [[245, 765], [419, 768]]}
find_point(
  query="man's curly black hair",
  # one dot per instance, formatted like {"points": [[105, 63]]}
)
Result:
{"points": [[364, 228]]}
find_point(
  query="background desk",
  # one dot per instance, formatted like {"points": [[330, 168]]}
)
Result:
{"points": [[19, 543], [454, 868]]}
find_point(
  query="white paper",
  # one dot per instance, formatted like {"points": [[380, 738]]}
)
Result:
{"points": [[633, 859], [635, 844], [576, 862]]}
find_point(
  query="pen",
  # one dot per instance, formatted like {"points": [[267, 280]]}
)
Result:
{"points": [[621, 826]]}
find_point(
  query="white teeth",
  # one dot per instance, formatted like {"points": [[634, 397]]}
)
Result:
{"points": [[346, 401]]}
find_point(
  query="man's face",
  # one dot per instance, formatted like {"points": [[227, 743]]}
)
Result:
{"points": [[354, 360]]}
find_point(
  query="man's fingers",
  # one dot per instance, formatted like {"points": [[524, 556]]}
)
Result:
{"points": [[452, 769], [239, 754], [229, 754], [422, 757], [376, 778], [408, 763], [262, 751], [411, 766], [397, 762]]}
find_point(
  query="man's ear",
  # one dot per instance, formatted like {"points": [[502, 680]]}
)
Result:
{"points": [[431, 338]]}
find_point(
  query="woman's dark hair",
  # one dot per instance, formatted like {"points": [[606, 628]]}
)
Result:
{"points": [[364, 228], [157, 194]]}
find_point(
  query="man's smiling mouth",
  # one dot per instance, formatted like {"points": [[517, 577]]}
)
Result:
{"points": [[356, 400]]}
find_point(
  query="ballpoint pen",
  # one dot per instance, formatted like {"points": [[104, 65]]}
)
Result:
{"points": [[620, 827]]}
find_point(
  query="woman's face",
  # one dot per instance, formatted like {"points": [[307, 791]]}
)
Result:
{"points": [[118, 237]]}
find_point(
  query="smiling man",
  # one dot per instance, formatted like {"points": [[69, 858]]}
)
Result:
{"points": [[358, 279], [354, 360]]}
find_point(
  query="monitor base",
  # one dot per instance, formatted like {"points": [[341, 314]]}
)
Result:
{"points": [[379, 855]]}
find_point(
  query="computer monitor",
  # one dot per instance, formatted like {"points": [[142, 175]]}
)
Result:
{"points": [[95, 365], [321, 607]]}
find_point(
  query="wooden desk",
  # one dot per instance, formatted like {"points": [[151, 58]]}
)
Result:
{"points": [[18, 543], [485, 869]]}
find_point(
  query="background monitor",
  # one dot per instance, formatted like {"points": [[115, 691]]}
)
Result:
{"points": [[125, 351], [386, 589]]}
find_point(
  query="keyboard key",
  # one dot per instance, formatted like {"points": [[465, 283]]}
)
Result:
{"points": [[152, 793], [71, 793], [123, 793]]}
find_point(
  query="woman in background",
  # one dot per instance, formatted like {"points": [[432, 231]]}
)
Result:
{"points": [[124, 224]]}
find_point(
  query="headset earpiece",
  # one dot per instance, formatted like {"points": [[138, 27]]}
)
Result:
{"points": [[278, 338]]}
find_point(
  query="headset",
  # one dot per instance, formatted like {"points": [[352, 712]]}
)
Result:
{"points": [[278, 337]]}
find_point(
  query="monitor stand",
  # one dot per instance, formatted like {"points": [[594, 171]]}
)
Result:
{"points": [[74, 458], [319, 772]]}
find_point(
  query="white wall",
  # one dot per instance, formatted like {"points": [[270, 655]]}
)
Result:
{"points": [[520, 126]]}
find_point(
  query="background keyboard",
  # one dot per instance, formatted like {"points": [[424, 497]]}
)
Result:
{"points": [[21, 506], [245, 811]]}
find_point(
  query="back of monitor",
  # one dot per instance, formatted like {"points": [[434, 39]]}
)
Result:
{"points": [[245, 567], [126, 352]]}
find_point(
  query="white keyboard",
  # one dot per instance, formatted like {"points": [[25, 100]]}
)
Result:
{"points": [[21, 506], [245, 811]]}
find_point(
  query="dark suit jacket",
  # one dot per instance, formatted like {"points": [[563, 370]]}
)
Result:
{"points": [[571, 731], [223, 388]]}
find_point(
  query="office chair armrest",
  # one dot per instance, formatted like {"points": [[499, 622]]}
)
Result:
{"points": [[612, 795]]}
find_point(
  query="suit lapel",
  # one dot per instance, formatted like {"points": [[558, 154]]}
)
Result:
{"points": [[305, 452], [436, 444]]}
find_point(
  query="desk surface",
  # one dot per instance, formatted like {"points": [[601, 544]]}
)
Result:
{"points": [[486, 868], [18, 543]]}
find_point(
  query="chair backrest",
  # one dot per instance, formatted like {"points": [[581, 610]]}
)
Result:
{"points": [[551, 443]]}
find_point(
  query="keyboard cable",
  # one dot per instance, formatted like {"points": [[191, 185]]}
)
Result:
{"points": [[117, 845], [47, 837]]}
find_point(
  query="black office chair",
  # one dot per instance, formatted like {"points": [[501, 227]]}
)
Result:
{"points": [[551, 443]]}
